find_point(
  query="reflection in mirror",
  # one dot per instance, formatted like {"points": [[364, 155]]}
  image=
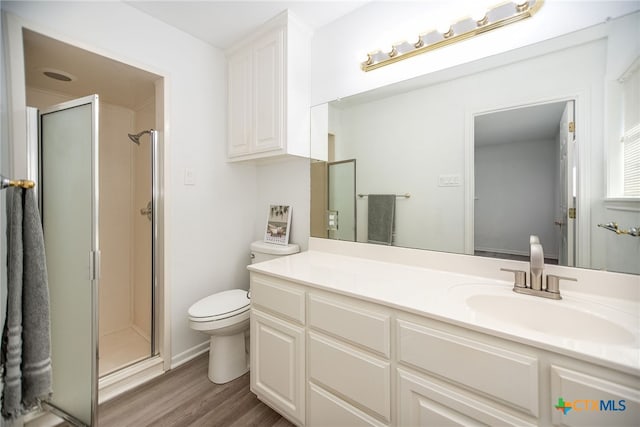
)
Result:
{"points": [[523, 151], [429, 137], [341, 197]]}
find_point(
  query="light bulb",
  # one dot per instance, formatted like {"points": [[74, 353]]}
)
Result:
{"points": [[443, 28], [479, 14]]}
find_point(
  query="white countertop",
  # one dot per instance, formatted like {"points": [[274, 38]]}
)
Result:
{"points": [[441, 295]]}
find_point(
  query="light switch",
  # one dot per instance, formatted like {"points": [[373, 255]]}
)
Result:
{"points": [[189, 176]]}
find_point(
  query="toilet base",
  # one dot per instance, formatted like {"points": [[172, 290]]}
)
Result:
{"points": [[227, 358]]}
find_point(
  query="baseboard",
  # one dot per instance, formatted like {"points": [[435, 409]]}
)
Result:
{"points": [[193, 352], [125, 379]]}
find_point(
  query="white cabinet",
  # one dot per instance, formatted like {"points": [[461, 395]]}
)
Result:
{"points": [[268, 84], [348, 356], [278, 346], [325, 359]]}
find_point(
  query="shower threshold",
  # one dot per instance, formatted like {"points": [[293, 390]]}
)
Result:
{"points": [[121, 349]]}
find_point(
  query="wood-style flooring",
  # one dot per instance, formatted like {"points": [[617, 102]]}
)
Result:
{"points": [[184, 396]]}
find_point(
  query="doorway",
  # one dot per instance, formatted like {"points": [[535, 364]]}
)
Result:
{"points": [[524, 165], [128, 183]]}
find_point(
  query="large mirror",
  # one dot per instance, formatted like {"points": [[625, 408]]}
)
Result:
{"points": [[476, 158]]}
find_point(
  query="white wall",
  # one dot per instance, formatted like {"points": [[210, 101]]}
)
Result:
{"points": [[515, 189], [284, 182], [209, 225]]}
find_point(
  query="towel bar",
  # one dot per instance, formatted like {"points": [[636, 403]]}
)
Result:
{"points": [[23, 183], [613, 226]]}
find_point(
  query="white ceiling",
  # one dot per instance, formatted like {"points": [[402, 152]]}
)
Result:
{"points": [[221, 23], [537, 123]]}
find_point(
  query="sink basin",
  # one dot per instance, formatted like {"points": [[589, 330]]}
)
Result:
{"points": [[577, 320]]}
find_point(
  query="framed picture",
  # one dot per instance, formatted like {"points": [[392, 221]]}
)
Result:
{"points": [[278, 224]]}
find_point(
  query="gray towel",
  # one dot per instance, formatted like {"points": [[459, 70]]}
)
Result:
{"points": [[26, 335], [381, 218]]}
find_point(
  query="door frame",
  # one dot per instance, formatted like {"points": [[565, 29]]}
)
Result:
{"points": [[94, 262], [582, 104]]}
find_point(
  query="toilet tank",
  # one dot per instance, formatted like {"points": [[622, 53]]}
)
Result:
{"points": [[263, 251]]}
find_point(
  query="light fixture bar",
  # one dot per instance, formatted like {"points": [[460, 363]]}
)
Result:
{"points": [[496, 17]]}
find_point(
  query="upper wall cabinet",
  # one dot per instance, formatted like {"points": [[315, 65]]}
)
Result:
{"points": [[269, 92]]}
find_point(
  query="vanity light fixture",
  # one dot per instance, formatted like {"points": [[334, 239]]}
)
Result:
{"points": [[496, 17]]}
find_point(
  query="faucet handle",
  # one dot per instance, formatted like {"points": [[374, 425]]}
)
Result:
{"points": [[553, 283], [520, 279]]}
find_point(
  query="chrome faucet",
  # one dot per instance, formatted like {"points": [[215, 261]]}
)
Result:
{"points": [[537, 286], [536, 265]]}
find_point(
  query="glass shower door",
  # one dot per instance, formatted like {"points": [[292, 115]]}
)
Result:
{"points": [[342, 199], [69, 205]]}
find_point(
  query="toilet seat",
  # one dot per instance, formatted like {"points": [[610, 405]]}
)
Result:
{"points": [[222, 305]]}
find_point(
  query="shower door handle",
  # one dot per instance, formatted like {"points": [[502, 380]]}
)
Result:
{"points": [[147, 211]]}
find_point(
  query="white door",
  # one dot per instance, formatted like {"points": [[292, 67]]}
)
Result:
{"points": [[69, 205], [565, 217]]}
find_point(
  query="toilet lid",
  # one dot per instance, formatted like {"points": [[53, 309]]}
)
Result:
{"points": [[221, 303]]}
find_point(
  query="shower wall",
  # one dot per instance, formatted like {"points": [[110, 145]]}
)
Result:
{"points": [[144, 118], [125, 235]]}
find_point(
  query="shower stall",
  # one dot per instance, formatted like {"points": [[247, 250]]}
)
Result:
{"points": [[128, 225], [99, 179], [128, 221]]}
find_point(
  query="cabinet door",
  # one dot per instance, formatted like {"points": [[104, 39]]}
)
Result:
{"points": [[239, 122], [268, 92], [277, 364]]}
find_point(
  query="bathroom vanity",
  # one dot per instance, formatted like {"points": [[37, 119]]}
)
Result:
{"points": [[338, 339]]}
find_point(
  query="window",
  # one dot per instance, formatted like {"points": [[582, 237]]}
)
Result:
{"points": [[631, 130]]}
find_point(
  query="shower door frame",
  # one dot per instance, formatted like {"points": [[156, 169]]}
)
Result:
{"points": [[94, 255], [155, 186]]}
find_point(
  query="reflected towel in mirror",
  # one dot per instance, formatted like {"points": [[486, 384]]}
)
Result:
{"points": [[381, 218]]}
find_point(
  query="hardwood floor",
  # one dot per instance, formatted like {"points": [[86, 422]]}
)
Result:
{"points": [[185, 397]]}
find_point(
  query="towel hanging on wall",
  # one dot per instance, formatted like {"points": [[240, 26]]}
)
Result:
{"points": [[381, 218], [26, 341]]}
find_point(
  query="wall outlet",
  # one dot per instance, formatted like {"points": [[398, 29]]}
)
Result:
{"points": [[449, 181]]}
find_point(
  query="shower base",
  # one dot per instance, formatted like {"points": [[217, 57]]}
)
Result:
{"points": [[120, 349]]}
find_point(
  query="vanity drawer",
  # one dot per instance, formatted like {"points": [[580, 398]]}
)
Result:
{"points": [[356, 324], [424, 401], [593, 400], [325, 409], [279, 297], [471, 363], [361, 379]]}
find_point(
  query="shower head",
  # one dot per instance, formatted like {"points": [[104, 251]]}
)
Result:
{"points": [[136, 137]]}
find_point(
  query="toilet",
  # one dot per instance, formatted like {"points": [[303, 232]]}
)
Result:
{"points": [[225, 317]]}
